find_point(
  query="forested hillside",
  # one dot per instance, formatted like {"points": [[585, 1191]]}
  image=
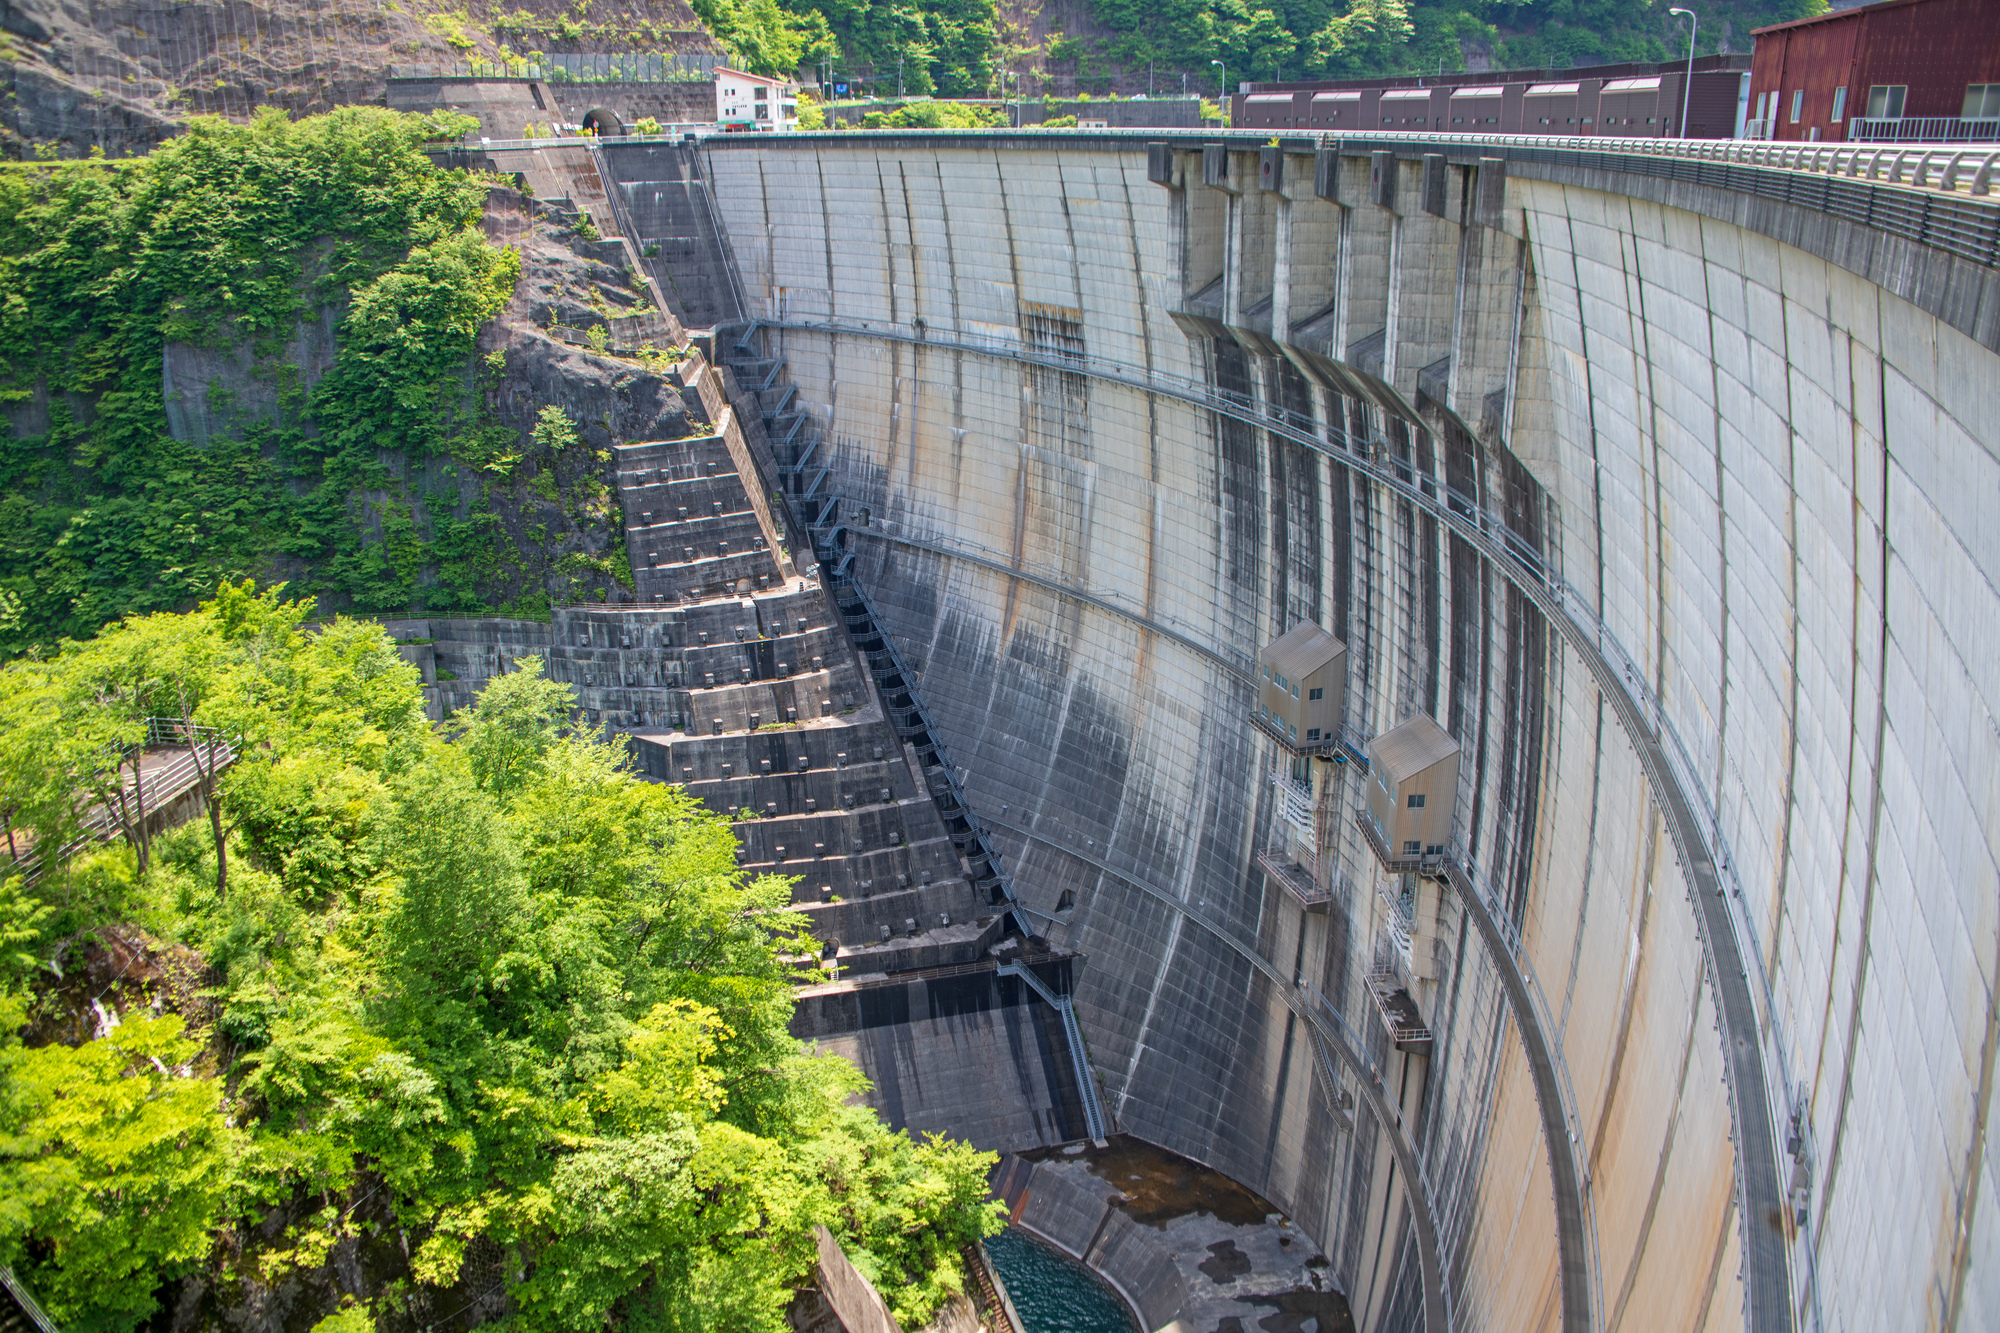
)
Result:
{"points": [[961, 47], [1305, 39], [257, 352], [227, 238], [420, 1028], [137, 83]]}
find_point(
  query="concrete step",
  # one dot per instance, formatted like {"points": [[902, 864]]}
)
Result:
{"points": [[857, 922], [933, 946]]}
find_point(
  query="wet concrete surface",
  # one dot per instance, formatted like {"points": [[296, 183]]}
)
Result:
{"points": [[1247, 1269]]}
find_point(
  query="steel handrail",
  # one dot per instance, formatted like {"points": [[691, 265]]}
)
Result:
{"points": [[945, 763], [1086, 1090], [1803, 159]]}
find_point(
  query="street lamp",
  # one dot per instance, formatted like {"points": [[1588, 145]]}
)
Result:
{"points": [[1225, 91], [1687, 85]]}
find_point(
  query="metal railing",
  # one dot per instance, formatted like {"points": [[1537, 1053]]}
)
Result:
{"points": [[24, 1300], [975, 835], [208, 754], [1086, 1082], [1405, 1032], [1300, 879], [1402, 915], [1919, 192], [627, 67], [1295, 800], [1646, 156], [1922, 129]]}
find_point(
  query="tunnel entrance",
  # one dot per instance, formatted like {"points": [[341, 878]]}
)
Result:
{"points": [[604, 124]]}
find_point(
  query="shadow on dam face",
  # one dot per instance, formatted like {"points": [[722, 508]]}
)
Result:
{"points": [[1661, 493]]}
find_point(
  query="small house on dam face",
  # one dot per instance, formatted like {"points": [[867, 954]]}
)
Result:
{"points": [[1302, 689], [1414, 787]]}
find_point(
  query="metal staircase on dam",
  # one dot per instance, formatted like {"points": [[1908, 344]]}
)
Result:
{"points": [[803, 469], [981, 853], [789, 430], [1086, 1085]]}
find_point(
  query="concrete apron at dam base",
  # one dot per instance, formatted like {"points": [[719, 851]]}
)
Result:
{"points": [[1184, 1246]]}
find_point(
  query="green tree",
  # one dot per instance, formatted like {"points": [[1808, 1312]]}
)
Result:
{"points": [[116, 1157], [762, 38], [934, 115], [531, 995], [555, 430], [42, 759], [460, 901], [1364, 38], [512, 725]]}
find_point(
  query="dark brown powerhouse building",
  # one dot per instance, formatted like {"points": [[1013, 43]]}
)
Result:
{"points": [[1904, 70], [1638, 101]]}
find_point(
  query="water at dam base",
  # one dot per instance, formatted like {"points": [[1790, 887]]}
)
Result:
{"points": [[1052, 1292]]}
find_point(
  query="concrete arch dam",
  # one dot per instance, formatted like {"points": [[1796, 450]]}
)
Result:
{"points": [[1667, 494]]}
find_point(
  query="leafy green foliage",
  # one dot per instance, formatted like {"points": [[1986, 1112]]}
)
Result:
{"points": [[228, 250], [936, 115], [481, 972], [1317, 39], [120, 1157], [944, 46], [555, 430], [763, 38], [512, 727]]}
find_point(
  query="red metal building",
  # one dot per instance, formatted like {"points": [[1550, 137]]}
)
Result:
{"points": [[1903, 70], [1629, 101]]}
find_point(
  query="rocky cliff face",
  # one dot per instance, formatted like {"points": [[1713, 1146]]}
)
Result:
{"points": [[77, 75], [506, 518]]}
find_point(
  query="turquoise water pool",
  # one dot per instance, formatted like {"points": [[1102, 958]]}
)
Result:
{"points": [[1052, 1292]]}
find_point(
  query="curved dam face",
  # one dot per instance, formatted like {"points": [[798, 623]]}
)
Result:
{"points": [[1674, 511]]}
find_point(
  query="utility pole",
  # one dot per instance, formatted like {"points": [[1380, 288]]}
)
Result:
{"points": [[899, 75], [1687, 84]]}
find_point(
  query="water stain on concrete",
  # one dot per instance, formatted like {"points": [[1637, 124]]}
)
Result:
{"points": [[1294, 1308], [1225, 1263], [1158, 1186], [1241, 1266]]}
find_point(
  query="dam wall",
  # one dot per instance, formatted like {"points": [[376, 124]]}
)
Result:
{"points": [[1668, 509]]}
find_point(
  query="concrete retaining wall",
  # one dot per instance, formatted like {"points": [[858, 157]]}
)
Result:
{"points": [[1065, 1204]]}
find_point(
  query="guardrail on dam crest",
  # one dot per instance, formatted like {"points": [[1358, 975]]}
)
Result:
{"points": [[1659, 491]]}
